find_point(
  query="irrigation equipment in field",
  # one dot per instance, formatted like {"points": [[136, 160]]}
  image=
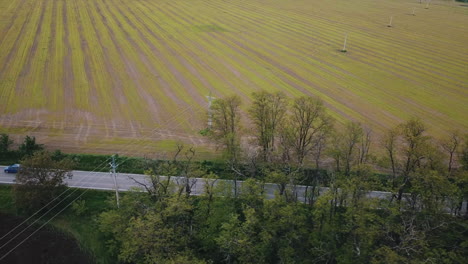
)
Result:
{"points": [[344, 45], [210, 115]]}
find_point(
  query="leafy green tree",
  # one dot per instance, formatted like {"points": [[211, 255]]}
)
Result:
{"points": [[353, 134], [158, 235], [5, 144], [414, 143], [225, 131], [29, 146], [309, 124], [451, 145], [226, 125], [251, 193], [464, 153], [345, 148], [151, 232], [390, 144], [431, 192], [267, 113], [284, 232], [40, 179], [239, 240]]}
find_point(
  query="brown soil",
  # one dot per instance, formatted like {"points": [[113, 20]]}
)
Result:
{"points": [[45, 246]]}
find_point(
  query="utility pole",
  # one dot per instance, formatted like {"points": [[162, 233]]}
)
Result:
{"points": [[210, 115], [113, 168]]}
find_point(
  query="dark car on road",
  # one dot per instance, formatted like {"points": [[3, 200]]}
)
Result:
{"points": [[12, 168]]}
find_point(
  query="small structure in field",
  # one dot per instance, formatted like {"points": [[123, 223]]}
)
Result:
{"points": [[344, 45]]}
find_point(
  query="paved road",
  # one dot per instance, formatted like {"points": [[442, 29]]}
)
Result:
{"points": [[125, 181]]}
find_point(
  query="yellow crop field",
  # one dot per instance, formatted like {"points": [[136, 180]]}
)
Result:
{"points": [[91, 75]]}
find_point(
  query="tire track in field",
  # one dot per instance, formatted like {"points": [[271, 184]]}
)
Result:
{"points": [[300, 22], [40, 130], [271, 52], [402, 45], [155, 108], [171, 66], [184, 61], [133, 45], [52, 50], [155, 51], [79, 59], [68, 77], [364, 31], [93, 63], [213, 36], [116, 80], [301, 81], [57, 49], [238, 51], [200, 60], [211, 46], [15, 46], [212, 50], [32, 76], [16, 12], [16, 58], [32, 53], [275, 64], [180, 76], [286, 30], [272, 43]]}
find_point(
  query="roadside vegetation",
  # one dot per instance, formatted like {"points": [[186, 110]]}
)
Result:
{"points": [[291, 142], [77, 223]]}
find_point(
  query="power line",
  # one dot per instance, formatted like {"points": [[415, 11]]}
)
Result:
{"points": [[69, 189], [180, 113], [45, 206]]}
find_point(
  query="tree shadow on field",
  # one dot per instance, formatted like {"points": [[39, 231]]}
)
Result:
{"points": [[46, 246]]}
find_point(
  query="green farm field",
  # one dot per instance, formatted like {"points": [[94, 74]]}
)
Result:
{"points": [[97, 75]]}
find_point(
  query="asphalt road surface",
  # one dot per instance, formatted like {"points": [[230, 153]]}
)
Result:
{"points": [[126, 181]]}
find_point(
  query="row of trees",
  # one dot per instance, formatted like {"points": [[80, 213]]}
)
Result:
{"points": [[235, 223], [301, 133], [165, 224], [282, 133], [26, 148]]}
